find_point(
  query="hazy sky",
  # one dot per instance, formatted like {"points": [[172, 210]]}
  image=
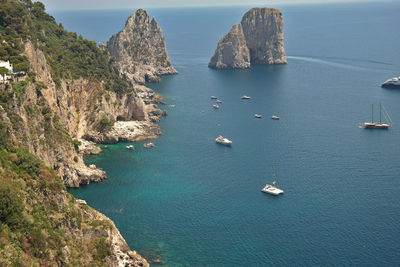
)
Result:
{"points": [[115, 4]]}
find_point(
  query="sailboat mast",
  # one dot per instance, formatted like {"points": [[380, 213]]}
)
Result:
{"points": [[372, 115], [380, 112]]}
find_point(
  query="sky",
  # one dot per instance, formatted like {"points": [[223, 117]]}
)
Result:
{"points": [[117, 4]]}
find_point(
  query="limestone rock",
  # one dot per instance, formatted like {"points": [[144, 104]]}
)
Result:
{"points": [[126, 131], [139, 49], [258, 39], [263, 30], [88, 148], [232, 51]]}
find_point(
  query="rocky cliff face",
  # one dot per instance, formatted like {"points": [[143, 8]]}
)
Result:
{"points": [[232, 51], [45, 117], [261, 32], [140, 50]]}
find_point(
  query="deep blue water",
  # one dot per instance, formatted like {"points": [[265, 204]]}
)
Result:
{"points": [[193, 202]]}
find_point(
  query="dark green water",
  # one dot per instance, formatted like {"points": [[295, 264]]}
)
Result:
{"points": [[195, 203]]}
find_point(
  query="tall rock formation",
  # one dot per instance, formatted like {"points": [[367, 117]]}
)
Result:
{"points": [[259, 35], [232, 51], [139, 50]]}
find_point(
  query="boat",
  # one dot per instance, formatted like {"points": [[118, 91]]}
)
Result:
{"points": [[213, 97], [130, 147], [246, 97], [274, 117], [258, 116], [171, 106], [223, 141], [379, 125], [272, 189], [391, 83], [215, 106], [219, 101], [148, 145]]}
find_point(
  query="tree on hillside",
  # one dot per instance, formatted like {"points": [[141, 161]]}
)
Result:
{"points": [[3, 72]]}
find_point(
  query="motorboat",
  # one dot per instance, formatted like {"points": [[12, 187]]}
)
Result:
{"points": [[274, 117], [148, 145], [215, 106], [213, 97], [258, 116], [131, 147], [246, 97], [223, 141]]}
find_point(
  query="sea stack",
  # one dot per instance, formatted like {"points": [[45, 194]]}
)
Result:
{"points": [[257, 39], [140, 51]]}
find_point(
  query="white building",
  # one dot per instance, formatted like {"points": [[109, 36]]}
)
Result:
{"points": [[7, 65]]}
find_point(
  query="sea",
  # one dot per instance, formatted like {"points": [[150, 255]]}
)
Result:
{"points": [[191, 202]]}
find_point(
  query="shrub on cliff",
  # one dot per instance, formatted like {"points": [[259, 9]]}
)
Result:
{"points": [[104, 124], [11, 208]]}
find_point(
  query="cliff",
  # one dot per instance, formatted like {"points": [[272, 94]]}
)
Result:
{"points": [[43, 225], [232, 51], [66, 91], [139, 49], [258, 39]]}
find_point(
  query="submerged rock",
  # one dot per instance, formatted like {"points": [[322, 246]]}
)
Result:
{"points": [[258, 39], [140, 51]]}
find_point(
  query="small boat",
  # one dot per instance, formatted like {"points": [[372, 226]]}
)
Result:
{"points": [[246, 97], [274, 117], [130, 147], [391, 83], [215, 106], [223, 141], [171, 106], [149, 145], [258, 116], [213, 97], [272, 189], [219, 101], [379, 125], [105, 147]]}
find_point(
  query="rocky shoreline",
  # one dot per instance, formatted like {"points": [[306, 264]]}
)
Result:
{"points": [[60, 117]]}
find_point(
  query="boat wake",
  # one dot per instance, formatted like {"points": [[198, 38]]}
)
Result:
{"points": [[340, 65]]}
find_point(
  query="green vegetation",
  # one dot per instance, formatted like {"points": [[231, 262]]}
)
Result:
{"points": [[19, 89], [103, 249], [3, 72], [11, 208], [69, 55], [104, 124], [38, 218]]}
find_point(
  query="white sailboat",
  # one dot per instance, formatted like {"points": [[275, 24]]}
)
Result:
{"points": [[272, 189]]}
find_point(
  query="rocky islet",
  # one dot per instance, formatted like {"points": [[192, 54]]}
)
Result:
{"points": [[257, 39]]}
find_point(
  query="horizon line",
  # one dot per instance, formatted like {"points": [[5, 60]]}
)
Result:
{"points": [[270, 4]]}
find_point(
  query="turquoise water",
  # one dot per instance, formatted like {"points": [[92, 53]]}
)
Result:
{"points": [[192, 202]]}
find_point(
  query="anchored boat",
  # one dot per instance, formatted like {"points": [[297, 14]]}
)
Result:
{"points": [[379, 125], [274, 117], [272, 189], [223, 141]]}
